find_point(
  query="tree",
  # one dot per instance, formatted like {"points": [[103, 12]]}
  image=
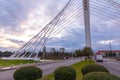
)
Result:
{"points": [[114, 54], [87, 52], [79, 53], [5, 54], [106, 54], [110, 54]]}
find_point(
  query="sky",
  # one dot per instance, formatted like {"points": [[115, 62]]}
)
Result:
{"points": [[20, 20]]}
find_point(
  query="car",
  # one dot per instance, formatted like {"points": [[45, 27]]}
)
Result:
{"points": [[99, 58]]}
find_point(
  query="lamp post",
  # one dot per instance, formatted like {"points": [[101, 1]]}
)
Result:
{"points": [[44, 48], [110, 54], [110, 46]]}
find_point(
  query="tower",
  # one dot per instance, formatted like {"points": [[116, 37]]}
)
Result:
{"points": [[86, 11]]}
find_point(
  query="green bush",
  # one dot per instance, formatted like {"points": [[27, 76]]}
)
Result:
{"points": [[100, 76], [28, 73], [93, 68], [65, 73]]}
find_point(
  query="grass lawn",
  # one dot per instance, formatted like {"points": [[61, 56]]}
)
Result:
{"points": [[14, 62], [76, 66]]}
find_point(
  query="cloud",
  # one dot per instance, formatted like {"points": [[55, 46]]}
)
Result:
{"points": [[15, 41], [72, 39], [105, 42], [8, 44], [20, 20], [12, 13], [103, 32]]}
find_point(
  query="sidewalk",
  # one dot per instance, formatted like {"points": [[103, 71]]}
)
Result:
{"points": [[114, 60]]}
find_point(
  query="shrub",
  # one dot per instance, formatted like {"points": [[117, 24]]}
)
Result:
{"points": [[65, 73], [100, 76], [93, 68], [28, 73]]}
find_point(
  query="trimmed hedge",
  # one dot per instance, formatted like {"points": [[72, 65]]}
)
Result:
{"points": [[100, 76], [28, 73], [93, 68], [65, 73]]}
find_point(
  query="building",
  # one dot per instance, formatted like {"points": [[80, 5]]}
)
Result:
{"points": [[109, 53], [52, 50], [62, 50]]}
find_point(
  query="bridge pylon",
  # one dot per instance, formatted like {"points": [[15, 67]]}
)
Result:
{"points": [[86, 10]]}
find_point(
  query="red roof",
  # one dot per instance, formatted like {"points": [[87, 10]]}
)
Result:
{"points": [[99, 51]]}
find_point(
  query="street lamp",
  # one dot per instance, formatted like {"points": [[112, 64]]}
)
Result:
{"points": [[110, 46], [110, 53]]}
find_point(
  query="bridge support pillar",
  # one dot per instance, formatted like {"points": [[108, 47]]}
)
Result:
{"points": [[86, 11]]}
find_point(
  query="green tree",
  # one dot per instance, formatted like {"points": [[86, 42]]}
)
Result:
{"points": [[114, 54], [87, 52], [106, 54], [79, 53], [110, 54]]}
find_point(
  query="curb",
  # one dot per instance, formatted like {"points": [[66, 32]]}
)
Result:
{"points": [[114, 60]]}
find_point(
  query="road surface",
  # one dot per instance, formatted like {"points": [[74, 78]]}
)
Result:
{"points": [[113, 67], [47, 68]]}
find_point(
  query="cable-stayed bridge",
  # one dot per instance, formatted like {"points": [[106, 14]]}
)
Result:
{"points": [[74, 10]]}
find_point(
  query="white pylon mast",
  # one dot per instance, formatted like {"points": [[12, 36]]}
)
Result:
{"points": [[87, 22]]}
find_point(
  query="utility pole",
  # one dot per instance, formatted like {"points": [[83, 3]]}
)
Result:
{"points": [[110, 46], [86, 11], [44, 51]]}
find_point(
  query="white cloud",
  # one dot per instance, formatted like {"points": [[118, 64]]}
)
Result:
{"points": [[21, 20], [7, 44], [105, 42], [36, 14]]}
